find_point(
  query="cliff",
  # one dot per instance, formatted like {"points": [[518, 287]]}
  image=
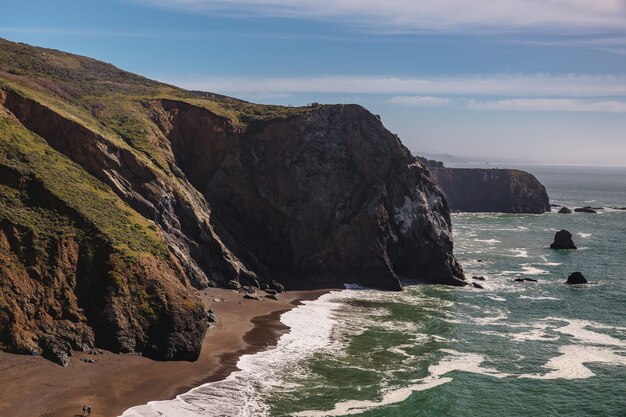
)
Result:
{"points": [[119, 196], [491, 190]]}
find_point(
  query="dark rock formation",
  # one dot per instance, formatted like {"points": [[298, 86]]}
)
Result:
{"points": [[565, 210], [576, 278], [322, 198], [525, 280], [563, 240], [585, 209], [477, 285], [492, 190], [115, 203], [478, 278]]}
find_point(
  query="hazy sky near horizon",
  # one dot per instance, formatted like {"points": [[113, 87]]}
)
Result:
{"points": [[516, 80]]}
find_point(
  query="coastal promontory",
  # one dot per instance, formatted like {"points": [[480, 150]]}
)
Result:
{"points": [[491, 190], [120, 197]]}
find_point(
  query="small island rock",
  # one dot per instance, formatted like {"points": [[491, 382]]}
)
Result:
{"points": [[585, 209], [565, 210], [576, 278], [563, 240]]}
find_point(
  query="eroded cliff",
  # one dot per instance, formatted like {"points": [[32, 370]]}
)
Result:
{"points": [[120, 194], [492, 190]]}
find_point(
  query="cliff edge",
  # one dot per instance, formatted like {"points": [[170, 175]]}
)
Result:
{"points": [[120, 196], [491, 190]]}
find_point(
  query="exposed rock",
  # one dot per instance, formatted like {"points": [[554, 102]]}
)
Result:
{"points": [[272, 297], [565, 210], [478, 278], [233, 285], [115, 203], [477, 285], [563, 240], [277, 286], [576, 278], [525, 280], [492, 190], [251, 296], [555, 205], [585, 209], [211, 316], [271, 291]]}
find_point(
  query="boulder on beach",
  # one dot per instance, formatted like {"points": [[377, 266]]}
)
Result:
{"points": [[565, 210], [576, 278], [563, 240], [585, 209]]}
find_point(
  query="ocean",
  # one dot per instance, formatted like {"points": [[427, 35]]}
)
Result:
{"points": [[511, 349]]}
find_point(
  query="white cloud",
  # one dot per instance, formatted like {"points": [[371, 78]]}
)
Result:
{"points": [[432, 15], [426, 101], [550, 104], [537, 85]]}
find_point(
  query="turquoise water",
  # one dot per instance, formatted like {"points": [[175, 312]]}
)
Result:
{"points": [[511, 349]]}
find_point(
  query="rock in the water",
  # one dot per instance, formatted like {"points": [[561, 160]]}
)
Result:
{"points": [[563, 240], [492, 190], [565, 210], [525, 280], [555, 205], [478, 278], [576, 278], [476, 285], [585, 209]]}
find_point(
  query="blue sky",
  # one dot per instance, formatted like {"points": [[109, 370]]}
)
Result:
{"points": [[539, 81]]}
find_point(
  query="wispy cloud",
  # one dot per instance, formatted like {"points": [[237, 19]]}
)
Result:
{"points": [[425, 101], [518, 104], [535, 85], [550, 105], [431, 15]]}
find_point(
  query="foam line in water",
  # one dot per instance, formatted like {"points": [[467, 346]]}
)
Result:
{"points": [[578, 330], [456, 361], [570, 364]]}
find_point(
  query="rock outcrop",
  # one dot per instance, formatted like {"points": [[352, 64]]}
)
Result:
{"points": [[576, 278], [115, 202], [565, 210], [586, 209], [563, 240], [491, 190]]}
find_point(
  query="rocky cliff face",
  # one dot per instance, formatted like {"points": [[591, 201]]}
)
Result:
{"points": [[118, 195], [322, 198], [491, 190]]}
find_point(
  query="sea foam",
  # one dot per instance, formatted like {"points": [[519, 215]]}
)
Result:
{"points": [[239, 395]]}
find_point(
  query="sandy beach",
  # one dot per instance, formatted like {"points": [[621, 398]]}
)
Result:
{"points": [[35, 387]]}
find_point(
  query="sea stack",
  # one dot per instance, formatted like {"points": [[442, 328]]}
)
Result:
{"points": [[576, 278], [563, 240]]}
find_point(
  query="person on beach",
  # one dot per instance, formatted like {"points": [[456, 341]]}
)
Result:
{"points": [[86, 410]]}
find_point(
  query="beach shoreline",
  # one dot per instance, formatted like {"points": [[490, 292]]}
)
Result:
{"points": [[32, 386]]}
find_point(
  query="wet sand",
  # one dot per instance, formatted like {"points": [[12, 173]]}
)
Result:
{"points": [[34, 387]]}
